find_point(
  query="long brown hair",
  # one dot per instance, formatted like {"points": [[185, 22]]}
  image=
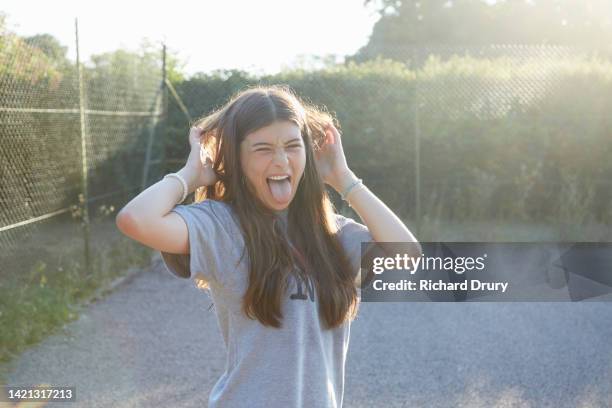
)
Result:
{"points": [[311, 224]]}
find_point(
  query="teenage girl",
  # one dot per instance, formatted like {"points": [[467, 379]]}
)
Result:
{"points": [[281, 267]]}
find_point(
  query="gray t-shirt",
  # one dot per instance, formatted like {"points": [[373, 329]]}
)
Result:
{"points": [[300, 364]]}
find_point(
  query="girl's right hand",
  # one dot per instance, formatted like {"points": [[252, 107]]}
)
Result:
{"points": [[198, 169]]}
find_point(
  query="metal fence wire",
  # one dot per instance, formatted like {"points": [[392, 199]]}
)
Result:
{"points": [[461, 132], [79, 140], [76, 140]]}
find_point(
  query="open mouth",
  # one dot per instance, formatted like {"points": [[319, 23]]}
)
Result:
{"points": [[280, 187]]}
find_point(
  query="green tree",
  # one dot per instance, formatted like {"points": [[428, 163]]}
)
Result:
{"points": [[49, 45], [406, 23]]}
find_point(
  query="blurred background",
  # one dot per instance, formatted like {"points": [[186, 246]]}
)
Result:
{"points": [[473, 120]]}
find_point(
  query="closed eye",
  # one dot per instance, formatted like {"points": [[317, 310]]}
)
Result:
{"points": [[267, 149]]}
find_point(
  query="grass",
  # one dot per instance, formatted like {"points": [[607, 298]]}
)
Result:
{"points": [[39, 302]]}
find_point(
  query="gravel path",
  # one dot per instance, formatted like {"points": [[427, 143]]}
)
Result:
{"points": [[153, 343]]}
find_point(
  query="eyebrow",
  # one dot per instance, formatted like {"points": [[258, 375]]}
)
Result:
{"points": [[297, 139]]}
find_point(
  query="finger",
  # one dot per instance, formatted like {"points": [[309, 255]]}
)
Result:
{"points": [[196, 132], [337, 134], [329, 136]]}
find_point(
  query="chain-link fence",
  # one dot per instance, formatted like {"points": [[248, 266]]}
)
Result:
{"points": [[78, 139], [466, 136], [512, 133], [424, 137]]}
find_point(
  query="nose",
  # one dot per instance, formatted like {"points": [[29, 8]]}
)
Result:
{"points": [[280, 156]]}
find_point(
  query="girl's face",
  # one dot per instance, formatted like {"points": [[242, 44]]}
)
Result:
{"points": [[273, 159]]}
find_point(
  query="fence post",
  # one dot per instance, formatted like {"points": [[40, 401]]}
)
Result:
{"points": [[154, 122], [84, 196], [164, 87], [417, 146], [164, 107]]}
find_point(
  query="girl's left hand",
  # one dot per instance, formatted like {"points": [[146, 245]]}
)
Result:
{"points": [[330, 159]]}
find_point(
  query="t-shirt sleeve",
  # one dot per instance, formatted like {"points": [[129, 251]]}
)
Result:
{"points": [[351, 235], [209, 242]]}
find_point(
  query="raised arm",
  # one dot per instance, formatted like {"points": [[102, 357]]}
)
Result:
{"points": [[147, 217], [383, 224]]}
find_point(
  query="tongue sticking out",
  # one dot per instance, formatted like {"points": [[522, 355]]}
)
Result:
{"points": [[281, 189]]}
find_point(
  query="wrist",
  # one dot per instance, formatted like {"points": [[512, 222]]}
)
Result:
{"points": [[344, 180], [189, 179]]}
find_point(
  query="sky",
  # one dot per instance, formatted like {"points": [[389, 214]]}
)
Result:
{"points": [[262, 36]]}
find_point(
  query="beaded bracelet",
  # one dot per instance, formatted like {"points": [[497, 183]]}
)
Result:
{"points": [[359, 186], [346, 192], [183, 183]]}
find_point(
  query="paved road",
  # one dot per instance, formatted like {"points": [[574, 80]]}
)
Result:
{"points": [[154, 343]]}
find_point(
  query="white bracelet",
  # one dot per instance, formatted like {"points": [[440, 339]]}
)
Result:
{"points": [[346, 192], [183, 183], [358, 187]]}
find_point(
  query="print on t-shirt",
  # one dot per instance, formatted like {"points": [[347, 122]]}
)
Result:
{"points": [[301, 294]]}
